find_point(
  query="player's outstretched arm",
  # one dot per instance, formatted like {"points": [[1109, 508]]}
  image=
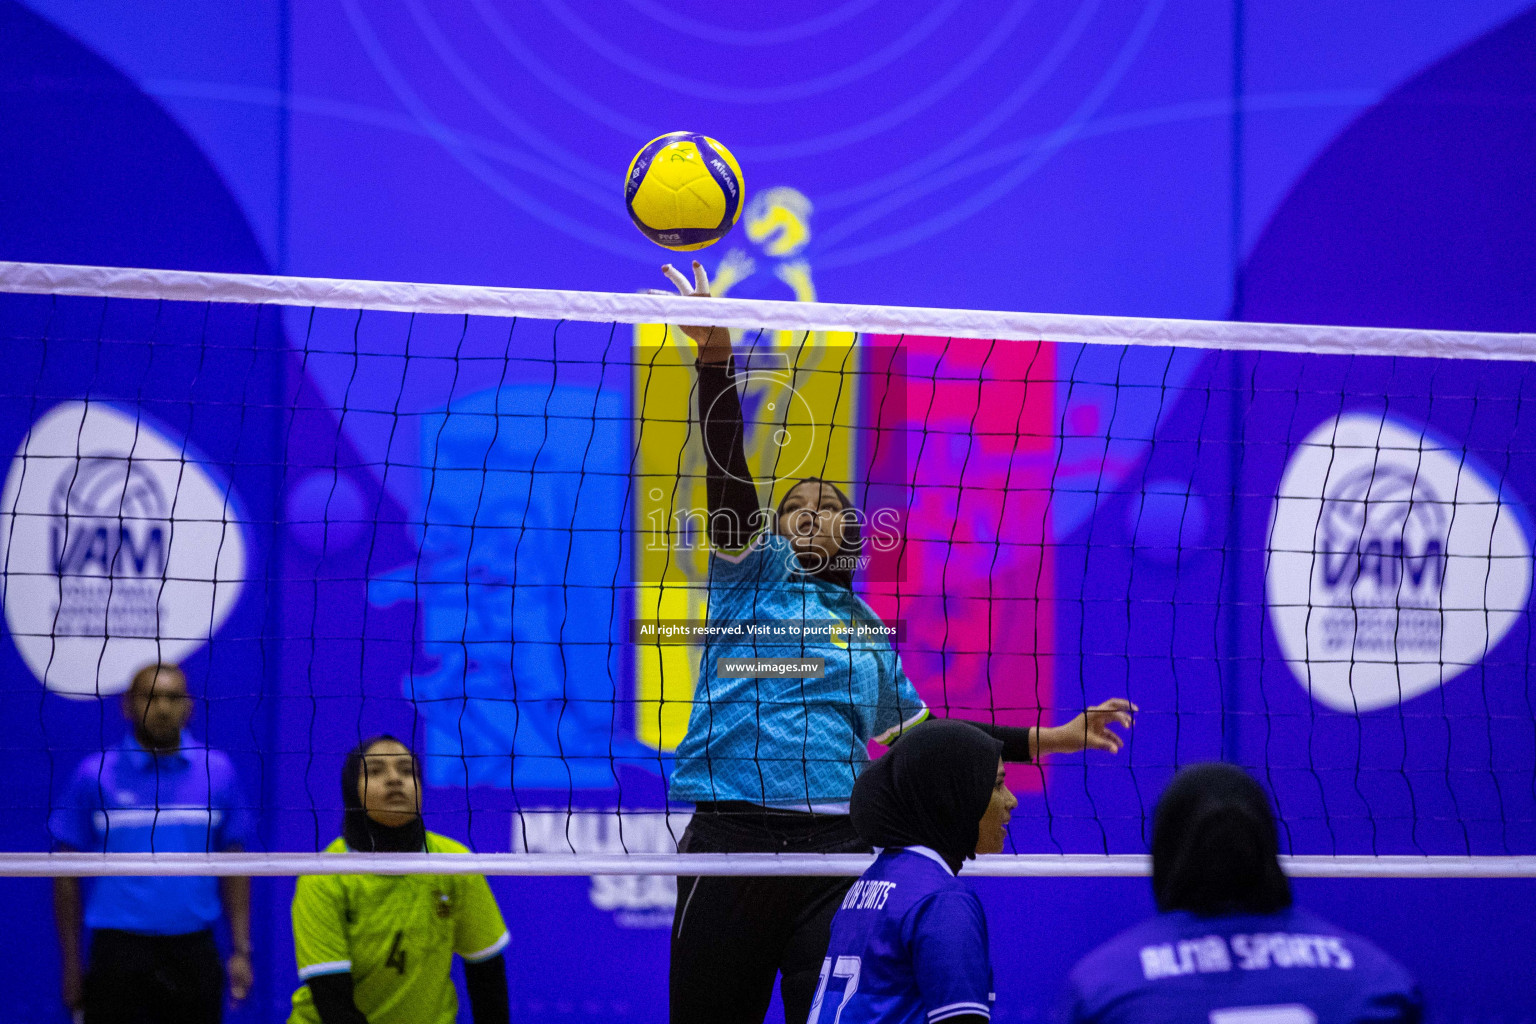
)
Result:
{"points": [[1091, 730], [1088, 731], [735, 511]]}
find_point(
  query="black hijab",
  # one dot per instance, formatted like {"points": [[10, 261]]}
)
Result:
{"points": [[931, 790], [1215, 849], [839, 569], [361, 832]]}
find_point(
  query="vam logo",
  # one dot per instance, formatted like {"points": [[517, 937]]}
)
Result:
{"points": [[118, 549], [1393, 564]]}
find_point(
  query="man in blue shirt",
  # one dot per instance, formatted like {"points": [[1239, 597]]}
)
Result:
{"points": [[1228, 946], [153, 956]]}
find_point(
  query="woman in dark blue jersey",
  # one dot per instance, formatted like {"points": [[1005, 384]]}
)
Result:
{"points": [[909, 943], [1228, 946], [769, 763]]}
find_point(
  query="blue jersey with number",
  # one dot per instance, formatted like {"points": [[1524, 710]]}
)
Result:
{"points": [[909, 946], [1287, 968], [788, 741]]}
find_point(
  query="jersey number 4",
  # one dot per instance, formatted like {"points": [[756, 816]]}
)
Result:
{"points": [[844, 967], [396, 958]]}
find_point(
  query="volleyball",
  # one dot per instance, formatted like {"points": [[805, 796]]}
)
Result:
{"points": [[684, 190]]}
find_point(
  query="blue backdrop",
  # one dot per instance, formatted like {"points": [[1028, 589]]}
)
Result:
{"points": [[1309, 162]]}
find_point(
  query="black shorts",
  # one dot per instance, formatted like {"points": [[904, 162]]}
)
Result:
{"points": [[731, 937], [153, 979]]}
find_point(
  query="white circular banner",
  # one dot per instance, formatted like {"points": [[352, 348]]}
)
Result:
{"points": [[119, 549], [1394, 563]]}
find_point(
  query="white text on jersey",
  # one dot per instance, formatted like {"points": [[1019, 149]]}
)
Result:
{"points": [[868, 895]]}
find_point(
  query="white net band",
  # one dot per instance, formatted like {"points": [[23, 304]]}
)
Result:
{"points": [[711, 864], [604, 307]]}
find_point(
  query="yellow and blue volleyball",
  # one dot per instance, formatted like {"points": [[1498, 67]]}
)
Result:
{"points": [[684, 190]]}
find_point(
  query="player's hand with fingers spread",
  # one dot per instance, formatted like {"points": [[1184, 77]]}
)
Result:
{"points": [[714, 342], [1090, 730]]}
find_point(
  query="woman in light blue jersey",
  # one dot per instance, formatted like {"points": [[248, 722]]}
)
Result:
{"points": [[770, 756]]}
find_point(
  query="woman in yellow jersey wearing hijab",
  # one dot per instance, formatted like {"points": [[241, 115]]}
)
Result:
{"points": [[377, 949]]}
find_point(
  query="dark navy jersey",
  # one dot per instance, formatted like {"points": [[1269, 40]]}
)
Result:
{"points": [[1287, 968], [909, 946]]}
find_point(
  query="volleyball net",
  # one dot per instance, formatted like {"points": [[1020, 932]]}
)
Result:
{"points": [[476, 519]]}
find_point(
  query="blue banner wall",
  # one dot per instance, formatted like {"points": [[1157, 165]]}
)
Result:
{"points": [[1312, 162]]}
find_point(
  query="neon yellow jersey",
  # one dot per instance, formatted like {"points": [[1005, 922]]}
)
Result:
{"points": [[396, 934]]}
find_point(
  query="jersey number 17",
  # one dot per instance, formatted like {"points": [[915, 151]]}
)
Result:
{"points": [[846, 967]]}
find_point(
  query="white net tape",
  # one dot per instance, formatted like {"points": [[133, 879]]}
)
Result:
{"points": [[604, 307], [746, 864]]}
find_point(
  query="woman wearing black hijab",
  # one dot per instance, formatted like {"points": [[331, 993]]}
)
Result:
{"points": [[1227, 942], [377, 949], [769, 763], [909, 943]]}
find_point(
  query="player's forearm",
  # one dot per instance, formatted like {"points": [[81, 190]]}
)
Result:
{"points": [[486, 983], [734, 508], [715, 346], [1019, 742], [235, 892], [1057, 740], [332, 995], [67, 918], [1030, 743]]}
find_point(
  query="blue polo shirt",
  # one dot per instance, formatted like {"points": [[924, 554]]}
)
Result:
{"points": [[128, 800]]}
